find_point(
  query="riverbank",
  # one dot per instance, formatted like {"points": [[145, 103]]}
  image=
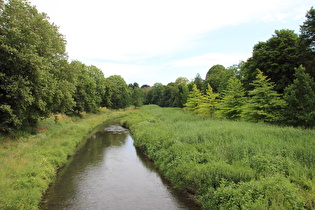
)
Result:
{"points": [[29, 164], [229, 164]]}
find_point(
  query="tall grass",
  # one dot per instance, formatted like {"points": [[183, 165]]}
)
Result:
{"points": [[229, 164], [29, 164]]}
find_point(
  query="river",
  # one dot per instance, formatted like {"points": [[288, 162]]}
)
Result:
{"points": [[109, 173]]}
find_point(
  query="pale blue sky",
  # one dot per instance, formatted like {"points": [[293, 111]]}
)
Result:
{"points": [[157, 41]]}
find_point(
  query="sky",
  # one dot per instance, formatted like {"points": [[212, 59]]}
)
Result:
{"points": [[148, 41]]}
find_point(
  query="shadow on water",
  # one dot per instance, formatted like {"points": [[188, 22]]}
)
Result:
{"points": [[109, 173]]}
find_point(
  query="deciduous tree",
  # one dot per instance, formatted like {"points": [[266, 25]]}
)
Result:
{"points": [[276, 58], [120, 95], [32, 53], [218, 77]]}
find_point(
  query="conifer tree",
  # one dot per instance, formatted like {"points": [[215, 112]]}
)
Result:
{"points": [[194, 100], [264, 104], [208, 103], [233, 100], [300, 98]]}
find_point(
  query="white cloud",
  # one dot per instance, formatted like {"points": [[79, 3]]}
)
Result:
{"points": [[128, 35], [127, 30]]}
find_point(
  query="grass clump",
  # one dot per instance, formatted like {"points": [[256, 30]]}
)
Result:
{"points": [[29, 163], [228, 164]]}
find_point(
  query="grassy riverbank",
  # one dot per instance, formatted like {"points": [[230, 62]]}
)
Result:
{"points": [[229, 164], [29, 164]]}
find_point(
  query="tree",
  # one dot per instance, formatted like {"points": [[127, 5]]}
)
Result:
{"points": [[233, 100], [85, 96], [32, 53], [180, 80], [198, 81], [119, 92], [218, 77], [194, 100], [264, 104], [183, 92], [170, 96], [100, 85], [137, 94], [155, 94], [208, 104], [276, 58], [300, 109], [307, 38]]}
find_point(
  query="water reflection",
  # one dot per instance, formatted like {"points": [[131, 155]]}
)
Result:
{"points": [[107, 173]]}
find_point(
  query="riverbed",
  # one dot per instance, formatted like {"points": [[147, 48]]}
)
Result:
{"points": [[109, 173]]}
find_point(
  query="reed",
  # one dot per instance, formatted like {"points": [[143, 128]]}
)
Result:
{"points": [[220, 160]]}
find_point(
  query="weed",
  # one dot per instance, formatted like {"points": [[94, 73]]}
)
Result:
{"points": [[229, 164]]}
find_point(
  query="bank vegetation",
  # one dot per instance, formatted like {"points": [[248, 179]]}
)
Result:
{"points": [[229, 164], [29, 163]]}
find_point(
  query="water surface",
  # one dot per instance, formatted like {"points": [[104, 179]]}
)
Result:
{"points": [[108, 173]]}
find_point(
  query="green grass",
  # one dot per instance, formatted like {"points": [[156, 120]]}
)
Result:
{"points": [[29, 164], [228, 164]]}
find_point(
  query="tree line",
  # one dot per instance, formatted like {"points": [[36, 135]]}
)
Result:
{"points": [[276, 84], [36, 79]]}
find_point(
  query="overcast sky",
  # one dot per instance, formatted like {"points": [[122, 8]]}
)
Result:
{"points": [[148, 41]]}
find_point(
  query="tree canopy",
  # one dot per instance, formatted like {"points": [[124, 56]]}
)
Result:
{"points": [[300, 96], [37, 80], [32, 57], [276, 58]]}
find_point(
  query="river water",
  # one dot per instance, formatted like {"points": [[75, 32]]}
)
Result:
{"points": [[109, 173]]}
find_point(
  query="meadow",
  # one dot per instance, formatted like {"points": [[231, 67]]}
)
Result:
{"points": [[229, 164], [29, 163]]}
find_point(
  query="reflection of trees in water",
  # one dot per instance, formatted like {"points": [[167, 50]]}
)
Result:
{"points": [[96, 146], [90, 155]]}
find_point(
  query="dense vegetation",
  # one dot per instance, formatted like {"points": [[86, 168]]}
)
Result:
{"points": [[30, 164], [36, 79], [228, 164], [275, 85]]}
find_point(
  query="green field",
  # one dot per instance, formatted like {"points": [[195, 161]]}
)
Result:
{"points": [[29, 164], [228, 164]]}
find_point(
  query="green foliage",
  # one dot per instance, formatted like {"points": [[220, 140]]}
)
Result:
{"points": [[29, 164], [198, 81], [202, 104], [171, 95], [137, 95], [209, 102], [32, 57], [155, 94], [276, 58], [180, 80], [300, 100], [218, 77], [228, 164], [233, 100], [89, 81], [183, 92], [307, 42], [119, 95], [269, 193], [194, 100], [264, 104]]}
